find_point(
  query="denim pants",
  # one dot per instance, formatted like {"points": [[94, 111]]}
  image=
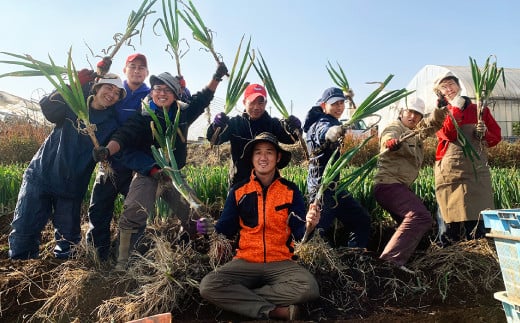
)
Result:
{"points": [[33, 210], [414, 220], [101, 209]]}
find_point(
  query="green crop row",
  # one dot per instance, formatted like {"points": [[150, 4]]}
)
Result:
{"points": [[211, 185]]}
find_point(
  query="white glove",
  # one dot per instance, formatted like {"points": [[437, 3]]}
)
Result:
{"points": [[457, 101], [334, 133]]}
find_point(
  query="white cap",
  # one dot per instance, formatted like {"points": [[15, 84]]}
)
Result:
{"points": [[415, 104], [113, 79], [444, 76]]}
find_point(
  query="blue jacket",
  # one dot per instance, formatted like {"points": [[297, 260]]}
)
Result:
{"points": [[125, 109], [316, 125], [131, 103], [240, 131], [135, 136], [63, 165]]}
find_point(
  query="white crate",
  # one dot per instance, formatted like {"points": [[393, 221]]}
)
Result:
{"points": [[511, 307]]}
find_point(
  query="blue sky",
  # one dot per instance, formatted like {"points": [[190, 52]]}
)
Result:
{"points": [[369, 39]]}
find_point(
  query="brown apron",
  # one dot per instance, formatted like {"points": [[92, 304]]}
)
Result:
{"points": [[462, 187]]}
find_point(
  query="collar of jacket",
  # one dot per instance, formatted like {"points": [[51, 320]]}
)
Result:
{"points": [[276, 176]]}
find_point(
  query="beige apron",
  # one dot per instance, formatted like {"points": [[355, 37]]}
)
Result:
{"points": [[463, 188]]}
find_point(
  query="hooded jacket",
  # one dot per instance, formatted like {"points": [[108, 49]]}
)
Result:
{"points": [[63, 164], [316, 125]]}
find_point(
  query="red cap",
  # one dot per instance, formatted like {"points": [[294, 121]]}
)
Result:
{"points": [[253, 91], [135, 56]]}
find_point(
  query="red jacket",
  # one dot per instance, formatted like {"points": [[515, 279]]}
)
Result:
{"points": [[448, 132]]}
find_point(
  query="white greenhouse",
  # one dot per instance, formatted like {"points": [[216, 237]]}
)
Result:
{"points": [[504, 103]]}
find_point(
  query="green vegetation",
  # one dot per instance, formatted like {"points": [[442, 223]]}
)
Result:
{"points": [[211, 185], [210, 182]]}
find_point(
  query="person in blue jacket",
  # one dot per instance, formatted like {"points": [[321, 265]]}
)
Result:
{"points": [[105, 190], [135, 139], [57, 177], [323, 130]]}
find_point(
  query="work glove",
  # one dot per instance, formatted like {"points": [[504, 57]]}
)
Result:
{"points": [[441, 101], [205, 226], [85, 76], [159, 174], [221, 120], [220, 72], [103, 66], [100, 154], [393, 144], [293, 124], [334, 133], [480, 129], [457, 101]]}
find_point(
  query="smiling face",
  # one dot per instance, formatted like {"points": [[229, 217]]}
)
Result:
{"points": [[136, 72], [410, 118], [335, 109], [162, 95], [264, 158], [449, 88], [106, 96], [256, 108]]}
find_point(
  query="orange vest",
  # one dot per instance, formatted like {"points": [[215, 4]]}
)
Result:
{"points": [[265, 235]]}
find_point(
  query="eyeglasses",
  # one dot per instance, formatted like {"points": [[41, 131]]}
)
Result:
{"points": [[164, 89]]}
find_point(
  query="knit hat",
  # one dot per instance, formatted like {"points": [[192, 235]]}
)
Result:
{"points": [[169, 80]]}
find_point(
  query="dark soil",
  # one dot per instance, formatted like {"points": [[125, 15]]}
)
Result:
{"points": [[24, 289]]}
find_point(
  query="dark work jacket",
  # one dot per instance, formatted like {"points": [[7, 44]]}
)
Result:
{"points": [[316, 125], [63, 164], [240, 130], [135, 136], [267, 219]]}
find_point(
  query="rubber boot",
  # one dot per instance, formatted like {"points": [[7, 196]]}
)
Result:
{"points": [[125, 237]]}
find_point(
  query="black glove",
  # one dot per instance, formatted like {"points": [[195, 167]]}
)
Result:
{"points": [[221, 120], [441, 101], [103, 66], [220, 72], [293, 123], [100, 153], [85, 76]]}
